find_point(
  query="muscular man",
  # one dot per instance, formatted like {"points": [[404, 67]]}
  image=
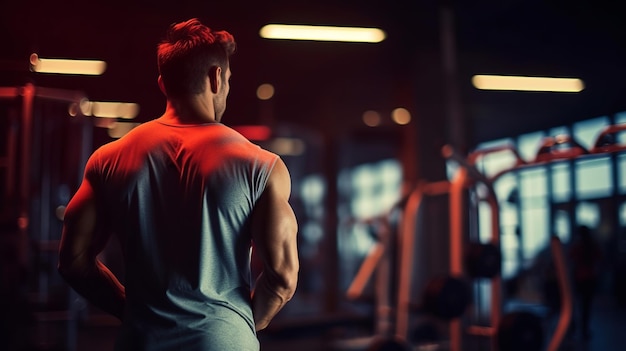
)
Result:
{"points": [[186, 197]]}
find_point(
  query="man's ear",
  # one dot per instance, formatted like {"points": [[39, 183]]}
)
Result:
{"points": [[215, 78], [161, 86]]}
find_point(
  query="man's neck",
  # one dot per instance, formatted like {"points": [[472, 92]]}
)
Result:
{"points": [[193, 109]]}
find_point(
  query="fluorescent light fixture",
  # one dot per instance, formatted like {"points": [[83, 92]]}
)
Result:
{"points": [[67, 66], [521, 83], [107, 109], [322, 33]]}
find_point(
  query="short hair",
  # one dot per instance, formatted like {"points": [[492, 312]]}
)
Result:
{"points": [[187, 53]]}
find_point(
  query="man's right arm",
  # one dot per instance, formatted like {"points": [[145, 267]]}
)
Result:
{"points": [[274, 234]]}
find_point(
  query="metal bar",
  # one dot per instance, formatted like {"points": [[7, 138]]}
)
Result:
{"points": [[28, 94], [456, 242], [383, 301], [566, 295], [496, 288], [406, 243], [365, 271]]}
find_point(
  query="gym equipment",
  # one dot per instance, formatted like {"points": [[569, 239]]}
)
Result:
{"points": [[559, 147], [562, 147], [446, 297], [425, 333], [520, 331], [608, 140], [482, 260]]}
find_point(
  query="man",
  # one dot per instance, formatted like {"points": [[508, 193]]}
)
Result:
{"points": [[585, 256], [186, 196]]}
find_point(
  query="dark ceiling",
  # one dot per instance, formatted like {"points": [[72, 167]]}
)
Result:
{"points": [[324, 85]]}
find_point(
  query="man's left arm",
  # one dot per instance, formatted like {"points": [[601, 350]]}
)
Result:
{"points": [[81, 242]]}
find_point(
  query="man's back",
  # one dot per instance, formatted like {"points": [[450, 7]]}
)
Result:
{"points": [[179, 197], [186, 196]]}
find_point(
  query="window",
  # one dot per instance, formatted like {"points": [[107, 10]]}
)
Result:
{"points": [[528, 144], [593, 178], [586, 132], [534, 230], [368, 191], [621, 172], [562, 130], [532, 207], [620, 117], [561, 184], [533, 183], [588, 213], [562, 226]]}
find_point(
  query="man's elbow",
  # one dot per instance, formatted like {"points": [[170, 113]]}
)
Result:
{"points": [[291, 285], [289, 280]]}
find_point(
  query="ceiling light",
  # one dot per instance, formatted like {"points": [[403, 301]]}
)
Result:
{"points": [[67, 66], [521, 83], [107, 109], [401, 116], [371, 118], [322, 33], [265, 91]]}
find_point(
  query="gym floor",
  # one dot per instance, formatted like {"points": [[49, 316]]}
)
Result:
{"points": [[608, 327]]}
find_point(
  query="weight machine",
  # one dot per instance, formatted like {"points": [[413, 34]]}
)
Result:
{"points": [[47, 142], [556, 148]]}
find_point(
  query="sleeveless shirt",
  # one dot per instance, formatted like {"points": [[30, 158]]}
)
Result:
{"points": [[179, 198]]}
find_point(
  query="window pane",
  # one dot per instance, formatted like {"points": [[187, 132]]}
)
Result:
{"points": [[561, 187], [562, 130], [366, 191], [509, 245], [621, 171], [534, 230], [504, 186], [528, 144], [484, 220], [497, 162], [586, 132], [533, 183], [494, 143], [593, 178], [620, 117], [375, 188], [562, 226], [588, 213]]}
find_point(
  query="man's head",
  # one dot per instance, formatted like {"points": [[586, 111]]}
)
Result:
{"points": [[190, 52]]}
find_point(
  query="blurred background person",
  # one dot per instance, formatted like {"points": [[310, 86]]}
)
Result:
{"points": [[585, 257]]}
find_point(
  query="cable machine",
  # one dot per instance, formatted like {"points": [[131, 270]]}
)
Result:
{"points": [[462, 264]]}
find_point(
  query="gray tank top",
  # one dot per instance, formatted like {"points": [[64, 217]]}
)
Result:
{"points": [[179, 198]]}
